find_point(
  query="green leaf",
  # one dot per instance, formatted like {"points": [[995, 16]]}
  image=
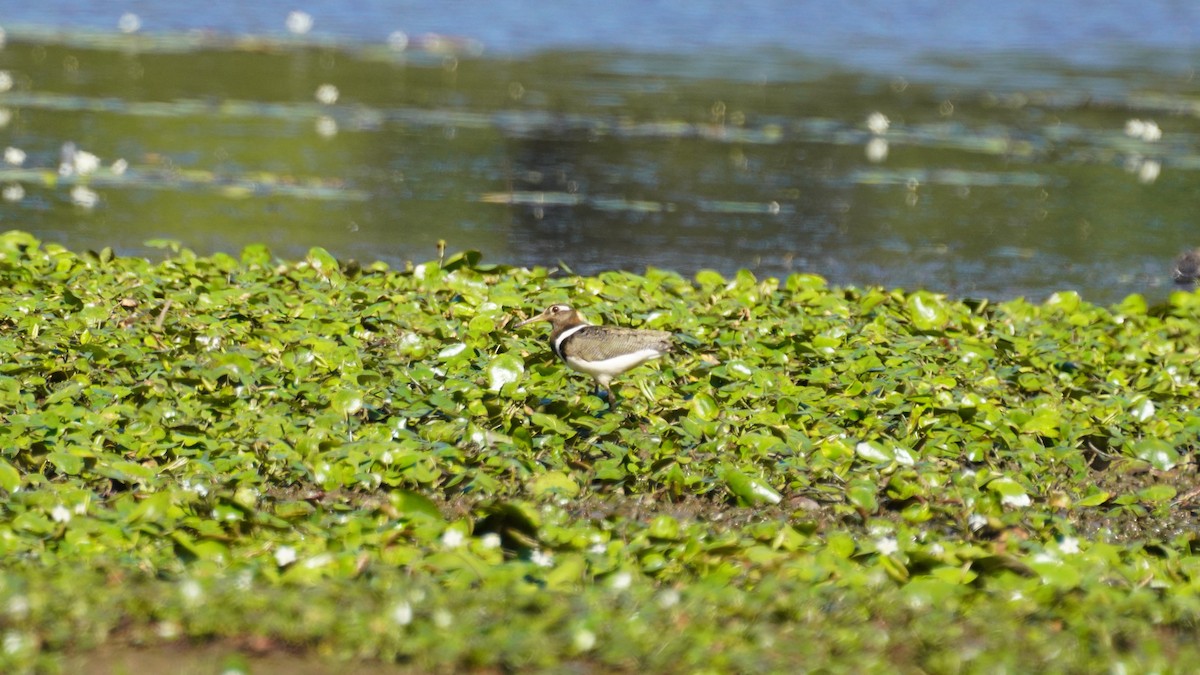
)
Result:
{"points": [[704, 407], [1094, 499], [10, 478], [555, 483], [1160, 454], [504, 369], [748, 490], [927, 311], [552, 424], [347, 402], [1156, 494], [410, 503], [862, 494]]}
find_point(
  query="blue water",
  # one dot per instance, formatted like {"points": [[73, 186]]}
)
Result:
{"points": [[873, 34]]}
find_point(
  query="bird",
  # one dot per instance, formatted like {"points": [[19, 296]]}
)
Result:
{"points": [[600, 351]]}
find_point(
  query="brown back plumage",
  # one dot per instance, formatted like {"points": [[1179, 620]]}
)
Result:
{"points": [[597, 343]]}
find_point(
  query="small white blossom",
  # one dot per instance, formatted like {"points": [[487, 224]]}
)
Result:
{"points": [[668, 598], [192, 591], [490, 540], [86, 162], [60, 514], [1069, 545], [1145, 130], [621, 581], [119, 167], [878, 123], [14, 156], [285, 555], [452, 538], [13, 192], [976, 522], [541, 558], [402, 614], [327, 94], [887, 545], [6, 80]]}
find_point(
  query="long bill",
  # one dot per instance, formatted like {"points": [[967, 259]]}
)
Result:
{"points": [[544, 316]]}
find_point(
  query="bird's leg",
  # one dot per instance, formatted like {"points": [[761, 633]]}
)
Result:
{"points": [[602, 386]]}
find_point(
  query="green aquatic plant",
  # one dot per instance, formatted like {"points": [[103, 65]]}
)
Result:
{"points": [[367, 463]]}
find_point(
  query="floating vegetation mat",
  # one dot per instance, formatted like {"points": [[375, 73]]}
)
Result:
{"points": [[358, 463]]}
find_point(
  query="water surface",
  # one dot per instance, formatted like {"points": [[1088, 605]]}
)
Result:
{"points": [[971, 150]]}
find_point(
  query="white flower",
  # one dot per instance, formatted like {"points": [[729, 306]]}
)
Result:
{"points": [[1146, 130], [452, 538], [86, 162], [1069, 545], [6, 80], [878, 123], [119, 166], [13, 192], [14, 156], [621, 581], [60, 514], [668, 598], [402, 614], [191, 591], [490, 540], [976, 522], [285, 555], [327, 94], [887, 545], [541, 558]]}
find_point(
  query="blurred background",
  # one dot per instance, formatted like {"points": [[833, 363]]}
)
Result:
{"points": [[976, 148]]}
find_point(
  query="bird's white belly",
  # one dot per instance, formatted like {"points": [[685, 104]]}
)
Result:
{"points": [[615, 365]]}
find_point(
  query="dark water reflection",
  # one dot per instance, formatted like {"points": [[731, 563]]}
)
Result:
{"points": [[1000, 175]]}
